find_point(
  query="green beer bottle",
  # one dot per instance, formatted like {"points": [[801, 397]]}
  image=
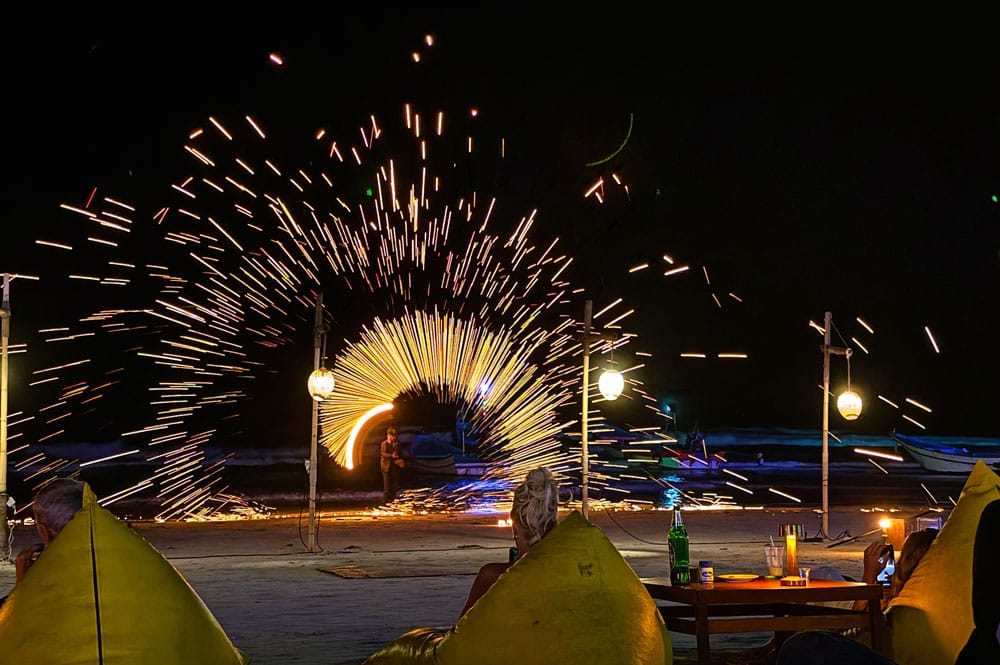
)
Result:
{"points": [[680, 571]]}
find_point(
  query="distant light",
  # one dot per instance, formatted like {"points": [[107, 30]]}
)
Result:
{"points": [[994, 197], [320, 384], [611, 384], [276, 59], [849, 404], [429, 40], [369, 192], [416, 57], [859, 344], [875, 453], [474, 112], [889, 402], [593, 188], [919, 405], [930, 336]]}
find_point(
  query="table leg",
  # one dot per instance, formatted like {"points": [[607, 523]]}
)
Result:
{"points": [[701, 634], [877, 621], [780, 637]]}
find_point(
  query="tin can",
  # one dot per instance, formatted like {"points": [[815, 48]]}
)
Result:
{"points": [[706, 572]]}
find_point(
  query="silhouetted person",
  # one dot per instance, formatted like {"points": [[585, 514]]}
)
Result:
{"points": [[53, 507], [391, 462]]}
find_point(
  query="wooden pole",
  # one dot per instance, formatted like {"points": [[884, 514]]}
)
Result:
{"points": [[584, 453], [318, 331], [5, 336], [827, 324]]}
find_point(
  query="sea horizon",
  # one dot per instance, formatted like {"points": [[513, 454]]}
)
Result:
{"points": [[120, 451], [771, 466]]}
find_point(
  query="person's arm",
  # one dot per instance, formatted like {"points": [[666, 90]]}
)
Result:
{"points": [[873, 566], [488, 574], [25, 558]]}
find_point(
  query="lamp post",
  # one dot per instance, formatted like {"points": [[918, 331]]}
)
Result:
{"points": [[610, 385], [320, 387], [5, 315], [849, 404]]}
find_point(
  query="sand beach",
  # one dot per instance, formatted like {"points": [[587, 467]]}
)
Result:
{"points": [[391, 573]]}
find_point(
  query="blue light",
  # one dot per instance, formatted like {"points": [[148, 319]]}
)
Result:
{"points": [[670, 498]]}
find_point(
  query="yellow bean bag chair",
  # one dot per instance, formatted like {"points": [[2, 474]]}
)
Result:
{"points": [[571, 599], [931, 618], [101, 594]]}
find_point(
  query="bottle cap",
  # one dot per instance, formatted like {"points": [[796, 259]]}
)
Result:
{"points": [[704, 564]]}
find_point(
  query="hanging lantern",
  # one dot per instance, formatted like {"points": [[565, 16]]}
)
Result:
{"points": [[611, 384], [849, 404], [320, 384]]}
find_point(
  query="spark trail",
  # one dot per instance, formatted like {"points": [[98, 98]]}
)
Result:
{"points": [[448, 290]]}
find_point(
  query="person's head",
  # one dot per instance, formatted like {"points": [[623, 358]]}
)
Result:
{"points": [[390, 433], [55, 505], [914, 548], [533, 513]]}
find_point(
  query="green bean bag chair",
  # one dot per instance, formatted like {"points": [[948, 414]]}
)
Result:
{"points": [[100, 594], [931, 618], [571, 599]]}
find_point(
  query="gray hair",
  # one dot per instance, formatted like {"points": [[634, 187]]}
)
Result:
{"points": [[536, 503], [57, 503]]}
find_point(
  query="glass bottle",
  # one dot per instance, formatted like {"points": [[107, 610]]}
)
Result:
{"points": [[677, 538]]}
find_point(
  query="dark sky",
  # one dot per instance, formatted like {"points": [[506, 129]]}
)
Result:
{"points": [[850, 173]]}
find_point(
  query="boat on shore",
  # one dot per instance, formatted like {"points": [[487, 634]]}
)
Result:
{"points": [[946, 458]]}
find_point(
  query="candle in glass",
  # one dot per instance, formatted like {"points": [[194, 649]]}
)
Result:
{"points": [[791, 555]]}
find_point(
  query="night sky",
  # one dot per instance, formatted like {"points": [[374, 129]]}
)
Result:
{"points": [[805, 177]]}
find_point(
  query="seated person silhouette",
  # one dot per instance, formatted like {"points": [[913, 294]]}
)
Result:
{"points": [[94, 591]]}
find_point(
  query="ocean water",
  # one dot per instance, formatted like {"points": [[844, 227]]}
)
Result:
{"points": [[776, 436], [771, 467]]}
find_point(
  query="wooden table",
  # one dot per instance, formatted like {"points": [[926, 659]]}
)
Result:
{"points": [[763, 606]]}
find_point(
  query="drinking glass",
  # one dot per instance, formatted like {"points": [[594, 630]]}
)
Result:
{"points": [[775, 557]]}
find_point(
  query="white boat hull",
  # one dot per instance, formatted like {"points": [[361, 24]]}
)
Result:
{"points": [[942, 462]]}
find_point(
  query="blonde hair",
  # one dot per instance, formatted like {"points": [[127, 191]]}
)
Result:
{"points": [[536, 502]]}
